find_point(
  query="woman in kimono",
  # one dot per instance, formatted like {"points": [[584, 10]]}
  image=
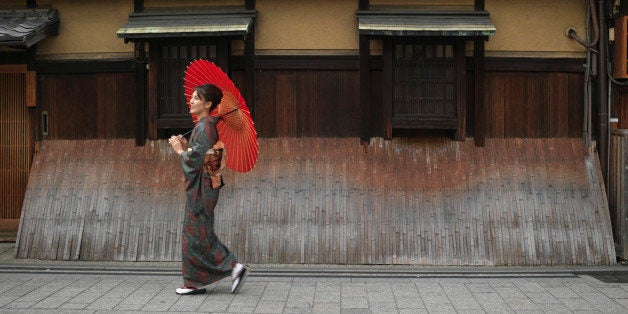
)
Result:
{"points": [[205, 259]]}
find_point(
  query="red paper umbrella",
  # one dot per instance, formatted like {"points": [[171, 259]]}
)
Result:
{"points": [[236, 127]]}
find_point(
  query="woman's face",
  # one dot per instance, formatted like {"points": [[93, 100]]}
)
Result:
{"points": [[198, 106]]}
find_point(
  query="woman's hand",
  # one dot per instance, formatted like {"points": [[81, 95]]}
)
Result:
{"points": [[184, 142], [176, 144]]}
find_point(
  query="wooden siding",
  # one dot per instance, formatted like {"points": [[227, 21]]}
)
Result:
{"points": [[619, 108], [533, 104], [307, 103], [618, 189], [545, 96], [16, 140], [425, 201], [89, 105]]}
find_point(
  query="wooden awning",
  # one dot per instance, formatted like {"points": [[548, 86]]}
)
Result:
{"points": [[429, 23], [169, 23], [23, 28]]}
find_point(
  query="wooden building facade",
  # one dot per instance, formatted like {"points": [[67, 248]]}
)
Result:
{"points": [[478, 71]]}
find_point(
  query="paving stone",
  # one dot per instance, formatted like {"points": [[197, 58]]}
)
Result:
{"points": [[429, 287], [353, 290], [127, 307], [326, 297], [530, 287], [326, 307], [50, 303], [104, 304], [72, 306], [381, 296], [602, 302], [553, 308], [275, 295], [614, 292], [413, 311], [440, 308], [577, 305], [480, 287], [354, 303], [562, 292], [269, 307], [489, 300], [511, 294], [622, 302], [19, 305], [383, 307], [410, 302], [542, 298], [281, 286]]}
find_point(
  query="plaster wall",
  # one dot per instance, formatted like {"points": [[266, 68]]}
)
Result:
{"points": [[87, 30], [306, 27], [536, 28], [531, 28]]}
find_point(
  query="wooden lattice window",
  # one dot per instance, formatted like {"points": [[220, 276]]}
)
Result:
{"points": [[172, 60], [424, 87]]}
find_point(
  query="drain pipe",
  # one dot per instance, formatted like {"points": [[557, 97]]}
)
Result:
{"points": [[603, 89]]}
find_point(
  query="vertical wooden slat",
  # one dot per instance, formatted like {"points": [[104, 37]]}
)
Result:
{"points": [[15, 141], [318, 200]]}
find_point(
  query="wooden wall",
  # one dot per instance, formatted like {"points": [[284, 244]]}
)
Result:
{"points": [[422, 201], [619, 107], [311, 97], [83, 106], [307, 103], [534, 104], [319, 97]]}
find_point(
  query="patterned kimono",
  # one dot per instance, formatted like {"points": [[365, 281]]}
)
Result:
{"points": [[205, 259]]}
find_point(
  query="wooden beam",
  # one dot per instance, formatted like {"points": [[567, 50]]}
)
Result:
{"points": [[365, 90], [478, 87], [249, 4], [363, 5], [138, 6], [249, 67], [387, 82], [461, 88], [140, 92], [153, 68], [478, 92]]}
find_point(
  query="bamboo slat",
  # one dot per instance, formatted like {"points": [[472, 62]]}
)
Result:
{"points": [[423, 201]]}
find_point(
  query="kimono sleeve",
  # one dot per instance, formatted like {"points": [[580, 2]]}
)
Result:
{"points": [[201, 141]]}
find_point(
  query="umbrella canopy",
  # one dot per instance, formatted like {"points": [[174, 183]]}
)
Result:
{"points": [[236, 128]]}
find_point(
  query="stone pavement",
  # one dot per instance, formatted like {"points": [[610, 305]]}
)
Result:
{"points": [[28, 286]]}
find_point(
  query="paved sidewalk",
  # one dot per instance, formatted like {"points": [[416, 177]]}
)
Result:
{"points": [[28, 286]]}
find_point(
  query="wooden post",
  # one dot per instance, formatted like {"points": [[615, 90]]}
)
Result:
{"points": [[365, 90], [365, 83], [461, 104], [138, 6], [478, 75], [140, 83], [388, 93], [153, 101], [249, 62]]}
